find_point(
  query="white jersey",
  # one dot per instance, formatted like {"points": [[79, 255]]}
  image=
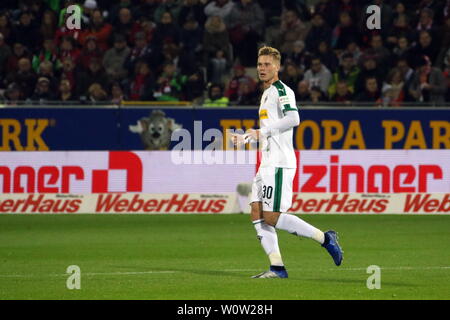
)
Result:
{"points": [[277, 150]]}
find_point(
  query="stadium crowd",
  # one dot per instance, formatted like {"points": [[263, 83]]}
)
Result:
{"points": [[205, 51]]}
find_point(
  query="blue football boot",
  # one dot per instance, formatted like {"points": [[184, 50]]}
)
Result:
{"points": [[332, 246]]}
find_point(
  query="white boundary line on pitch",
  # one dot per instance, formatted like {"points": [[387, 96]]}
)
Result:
{"points": [[86, 274], [225, 270]]}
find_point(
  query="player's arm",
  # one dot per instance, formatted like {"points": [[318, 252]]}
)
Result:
{"points": [[291, 119]]}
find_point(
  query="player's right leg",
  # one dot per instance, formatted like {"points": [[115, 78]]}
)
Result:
{"points": [[266, 234]]}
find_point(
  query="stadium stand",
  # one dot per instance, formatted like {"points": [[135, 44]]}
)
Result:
{"points": [[175, 50]]}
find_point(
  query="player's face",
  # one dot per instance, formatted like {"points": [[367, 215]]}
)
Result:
{"points": [[267, 68]]}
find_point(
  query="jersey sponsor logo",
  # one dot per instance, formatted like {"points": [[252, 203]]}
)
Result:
{"points": [[263, 114], [284, 100]]}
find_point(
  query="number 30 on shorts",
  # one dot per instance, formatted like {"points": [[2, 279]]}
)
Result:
{"points": [[267, 192]]}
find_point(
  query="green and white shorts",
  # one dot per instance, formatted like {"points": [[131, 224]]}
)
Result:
{"points": [[273, 187]]}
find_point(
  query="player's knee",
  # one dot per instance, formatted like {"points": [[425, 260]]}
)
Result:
{"points": [[271, 218]]}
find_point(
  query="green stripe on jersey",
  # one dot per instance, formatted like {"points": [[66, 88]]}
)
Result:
{"points": [[278, 187], [280, 88]]}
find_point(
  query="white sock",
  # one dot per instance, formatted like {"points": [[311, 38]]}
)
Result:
{"points": [[269, 241], [297, 226]]}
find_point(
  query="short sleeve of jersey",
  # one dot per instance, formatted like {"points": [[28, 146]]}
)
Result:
{"points": [[286, 98]]}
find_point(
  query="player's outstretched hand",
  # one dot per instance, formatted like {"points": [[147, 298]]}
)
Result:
{"points": [[238, 139]]}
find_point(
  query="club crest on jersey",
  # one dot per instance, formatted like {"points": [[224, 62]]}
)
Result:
{"points": [[263, 114]]}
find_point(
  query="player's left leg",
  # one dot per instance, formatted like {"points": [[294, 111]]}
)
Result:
{"points": [[274, 214]]}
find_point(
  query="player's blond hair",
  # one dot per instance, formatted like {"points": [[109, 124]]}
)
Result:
{"points": [[269, 51]]}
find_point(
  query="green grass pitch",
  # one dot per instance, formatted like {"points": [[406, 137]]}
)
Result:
{"points": [[171, 257]]}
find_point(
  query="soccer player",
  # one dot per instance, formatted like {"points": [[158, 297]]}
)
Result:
{"points": [[272, 186]]}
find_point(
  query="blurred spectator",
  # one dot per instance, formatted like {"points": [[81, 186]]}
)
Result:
{"points": [[291, 75], [216, 38], [19, 52], [68, 72], [425, 47], [42, 93], [393, 89], [407, 76], [90, 51], [246, 94], [166, 31], [147, 9], [95, 73], [221, 8], [194, 87], [117, 94], [327, 56], [345, 32], [428, 84], [124, 25], [97, 93], [65, 92], [291, 30], [316, 95], [238, 77], [353, 49], [48, 52], [302, 92], [371, 92], [5, 53], [216, 97], [426, 22], [245, 25], [402, 48], [218, 68], [342, 93], [143, 50], [171, 6], [114, 59], [299, 56], [13, 95], [346, 72], [328, 9], [26, 32], [49, 25], [69, 50], [145, 26], [88, 9], [5, 27], [369, 69], [318, 75], [379, 51], [45, 70], [319, 31], [24, 77], [142, 84], [192, 9], [169, 86], [99, 29], [400, 29], [191, 37]]}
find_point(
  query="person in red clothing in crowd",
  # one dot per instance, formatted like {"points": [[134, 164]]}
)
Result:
{"points": [[144, 25], [99, 29], [233, 87], [68, 71], [142, 84], [68, 49], [90, 51]]}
